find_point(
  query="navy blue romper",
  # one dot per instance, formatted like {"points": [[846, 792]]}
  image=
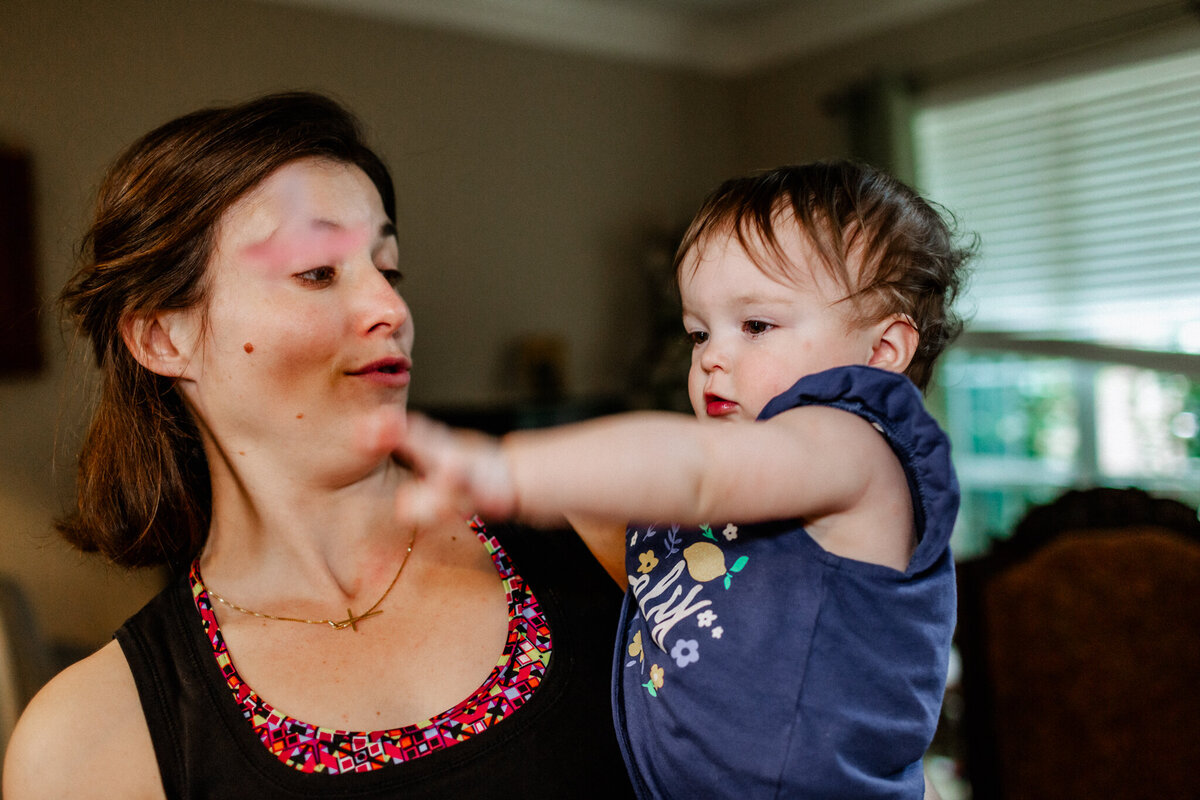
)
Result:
{"points": [[753, 663]]}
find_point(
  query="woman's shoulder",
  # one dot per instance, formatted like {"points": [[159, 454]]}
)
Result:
{"points": [[84, 735]]}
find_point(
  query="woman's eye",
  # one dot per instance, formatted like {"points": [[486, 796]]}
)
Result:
{"points": [[393, 276], [755, 327], [318, 275], [697, 337]]}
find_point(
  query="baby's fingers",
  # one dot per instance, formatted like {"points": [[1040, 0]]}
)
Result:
{"points": [[422, 444], [459, 471], [420, 504]]}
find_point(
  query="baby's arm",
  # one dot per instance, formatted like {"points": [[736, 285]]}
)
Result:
{"points": [[814, 462], [661, 466]]}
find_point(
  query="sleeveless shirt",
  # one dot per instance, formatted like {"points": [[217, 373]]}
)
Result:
{"points": [[559, 743], [753, 663]]}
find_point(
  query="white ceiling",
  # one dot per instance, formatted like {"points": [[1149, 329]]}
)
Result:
{"points": [[720, 36]]}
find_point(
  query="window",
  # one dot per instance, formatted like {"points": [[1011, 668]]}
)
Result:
{"points": [[1081, 365], [1025, 427], [1086, 193]]}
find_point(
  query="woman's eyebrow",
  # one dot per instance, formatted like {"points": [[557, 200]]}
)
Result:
{"points": [[387, 229]]}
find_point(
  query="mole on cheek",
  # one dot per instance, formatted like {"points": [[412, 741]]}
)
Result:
{"points": [[249, 348], [299, 416]]}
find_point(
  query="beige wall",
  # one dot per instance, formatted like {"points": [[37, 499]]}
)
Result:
{"points": [[526, 178], [784, 113]]}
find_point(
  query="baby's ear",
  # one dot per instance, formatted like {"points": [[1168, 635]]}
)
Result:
{"points": [[163, 341], [896, 340]]}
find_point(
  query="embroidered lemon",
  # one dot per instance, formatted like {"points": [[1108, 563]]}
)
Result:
{"points": [[705, 561]]}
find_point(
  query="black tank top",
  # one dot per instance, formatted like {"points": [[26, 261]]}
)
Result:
{"points": [[559, 744]]}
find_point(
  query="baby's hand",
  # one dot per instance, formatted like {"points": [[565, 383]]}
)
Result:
{"points": [[458, 472]]}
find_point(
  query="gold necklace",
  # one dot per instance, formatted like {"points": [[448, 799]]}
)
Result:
{"points": [[351, 621]]}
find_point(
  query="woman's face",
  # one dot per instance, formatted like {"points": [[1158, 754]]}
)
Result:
{"points": [[307, 336]]}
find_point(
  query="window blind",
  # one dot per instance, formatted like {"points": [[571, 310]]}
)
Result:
{"points": [[1085, 192]]}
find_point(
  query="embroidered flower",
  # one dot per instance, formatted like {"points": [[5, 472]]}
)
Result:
{"points": [[717, 631], [704, 619], [730, 532], [656, 676], [647, 561], [685, 651], [635, 647]]}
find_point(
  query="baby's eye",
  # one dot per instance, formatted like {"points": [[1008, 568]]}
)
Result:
{"points": [[393, 276], [697, 338], [756, 327], [318, 276]]}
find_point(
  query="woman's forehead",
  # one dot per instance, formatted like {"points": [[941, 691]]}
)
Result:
{"points": [[305, 209], [305, 192]]}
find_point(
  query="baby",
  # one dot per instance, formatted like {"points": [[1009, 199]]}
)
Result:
{"points": [[791, 592]]}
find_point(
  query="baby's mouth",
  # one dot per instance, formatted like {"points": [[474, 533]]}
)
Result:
{"points": [[717, 406]]}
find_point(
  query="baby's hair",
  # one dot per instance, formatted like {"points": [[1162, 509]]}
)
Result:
{"points": [[891, 250]]}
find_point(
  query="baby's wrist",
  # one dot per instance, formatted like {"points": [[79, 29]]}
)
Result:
{"points": [[493, 479], [506, 452]]}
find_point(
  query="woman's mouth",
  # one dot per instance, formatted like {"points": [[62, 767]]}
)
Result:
{"points": [[390, 372]]}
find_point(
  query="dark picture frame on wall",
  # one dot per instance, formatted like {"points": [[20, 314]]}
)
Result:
{"points": [[20, 343]]}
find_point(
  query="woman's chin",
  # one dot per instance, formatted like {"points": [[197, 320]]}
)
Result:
{"points": [[380, 434]]}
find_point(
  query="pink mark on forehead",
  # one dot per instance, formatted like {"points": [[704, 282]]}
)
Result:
{"points": [[312, 243]]}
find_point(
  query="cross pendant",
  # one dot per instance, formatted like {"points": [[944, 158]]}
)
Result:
{"points": [[351, 621]]}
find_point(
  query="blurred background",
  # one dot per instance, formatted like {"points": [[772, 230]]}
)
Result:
{"points": [[547, 154]]}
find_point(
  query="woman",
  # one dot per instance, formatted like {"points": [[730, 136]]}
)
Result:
{"points": [[239, 291]]}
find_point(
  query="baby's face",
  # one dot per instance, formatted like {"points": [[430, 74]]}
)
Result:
{"points": [[754, 335]]}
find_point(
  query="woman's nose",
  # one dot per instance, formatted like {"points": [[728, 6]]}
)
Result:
{"points": [[383, 306]]}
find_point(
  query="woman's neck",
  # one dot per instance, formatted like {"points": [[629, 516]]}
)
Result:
{"points": [[271, 525]]}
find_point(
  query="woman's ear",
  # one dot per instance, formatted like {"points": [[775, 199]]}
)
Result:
{"points": [[895, 343], [163, 341]]}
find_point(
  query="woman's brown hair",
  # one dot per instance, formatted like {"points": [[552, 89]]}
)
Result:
{"points": [[143, 494]]}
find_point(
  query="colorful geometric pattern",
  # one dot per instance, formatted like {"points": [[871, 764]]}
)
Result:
{"points": [[309, 748]]}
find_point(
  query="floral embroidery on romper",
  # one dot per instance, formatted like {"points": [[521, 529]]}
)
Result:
{"points": [[667, 599]]}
